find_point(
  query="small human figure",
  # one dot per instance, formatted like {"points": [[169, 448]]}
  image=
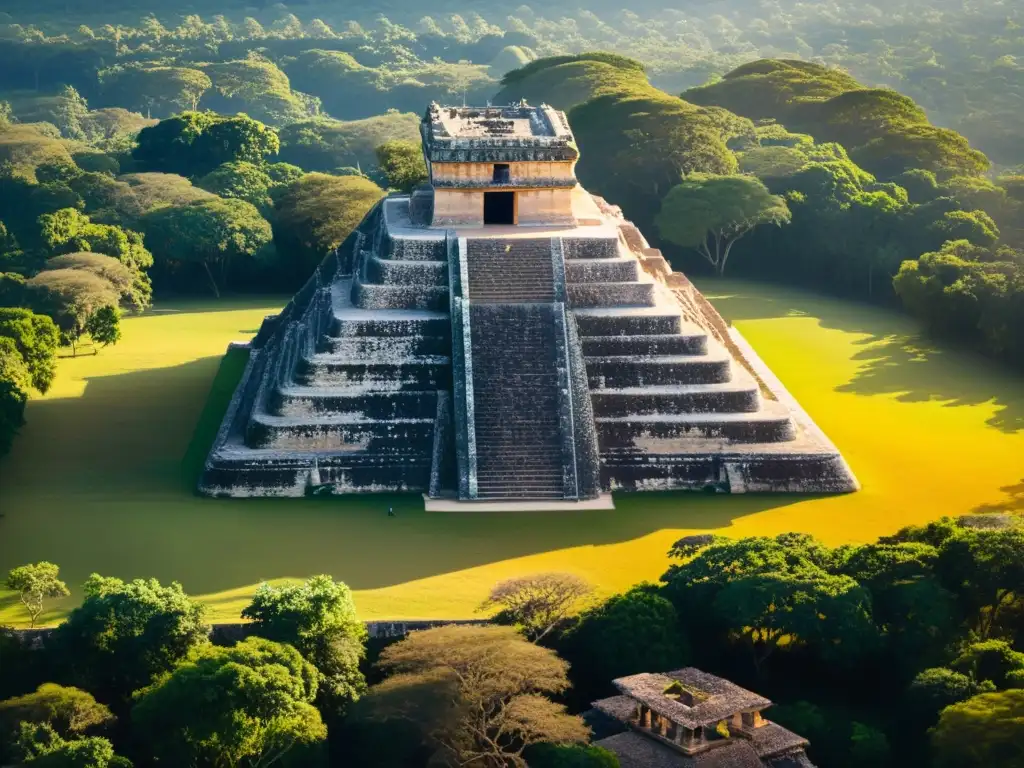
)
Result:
{"points": [[391, 511]]}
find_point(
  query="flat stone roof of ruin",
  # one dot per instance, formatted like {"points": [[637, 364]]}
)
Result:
{"points": [[724, 699], [518, 132]]}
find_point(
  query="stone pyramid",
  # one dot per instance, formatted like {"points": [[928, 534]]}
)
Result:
{"points": [[501, 335]]}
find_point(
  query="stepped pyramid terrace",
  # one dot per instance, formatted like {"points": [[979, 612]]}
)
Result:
{"points": [[501, 335], [690, 719]]}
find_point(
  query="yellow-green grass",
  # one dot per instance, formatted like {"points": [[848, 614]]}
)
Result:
{"points": [[98, 481]]}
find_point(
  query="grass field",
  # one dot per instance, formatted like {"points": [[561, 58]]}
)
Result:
{"points": [[99, 479]]}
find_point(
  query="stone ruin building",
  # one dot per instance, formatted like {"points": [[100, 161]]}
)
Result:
{"points": [[690, 719], [501, 335]]}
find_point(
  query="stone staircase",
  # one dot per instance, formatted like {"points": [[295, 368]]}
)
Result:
{"points": [[658, 384], [368, 391], [515, 386], [348, 388], [510, 271], [516, 402]]}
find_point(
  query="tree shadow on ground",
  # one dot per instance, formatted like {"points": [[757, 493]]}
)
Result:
{"points": [[181, 305], [95, 484], [893, 357], [1014, 502]]}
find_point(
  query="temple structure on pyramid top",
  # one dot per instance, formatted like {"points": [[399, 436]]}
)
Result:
{"points": [[502, 335]]}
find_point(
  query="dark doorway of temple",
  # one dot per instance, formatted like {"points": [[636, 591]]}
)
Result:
{"points": [[499, 207]]}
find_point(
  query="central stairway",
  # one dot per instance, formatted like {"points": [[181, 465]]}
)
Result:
{"points": [[515, 369], [517, 404], [515, 401], [510, 271]]}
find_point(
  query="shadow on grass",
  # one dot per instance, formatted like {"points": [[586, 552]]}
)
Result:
{"points": [[229, 373], [1013, 503], [98, 483], [181, 305], [904, 364]]}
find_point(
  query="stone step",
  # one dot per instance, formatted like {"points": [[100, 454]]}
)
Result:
{"points": [[395, 272], [390, 348], [546, 474], [616, 270], [318, 401], [574, 248], [352, 321], [522, 482], [586, 295], [517, 488], [685, 343], [374, 296], [520, 494], [626, 321], [735, 397], [619, 372], [512, 296], [516, 444], [422, 373], [769, 425], [339, 434], [415, 248], [495, 470]]}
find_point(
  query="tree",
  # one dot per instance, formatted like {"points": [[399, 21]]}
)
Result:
{"points": [[315, 215], [319, 619], [830, 613], [34, 583], [125, 634], [240, 180], [986, 572], [211, 233], [68, 231], [104, 326], [570, 756], [402, 163], [976, 227], [236, 139], [476, 693], [323, 145], [633, 632], [39, 746], [646, 142], [153, 190], [986, 731], [110, 269], [248, 705], [167, 147], [912, 609], [70, 297], [69, 711], [70, 109], [965, 292], [12, 405], [538, 603], [769, 592], [710, 213], [932, 690], [12, 365], [160, 89], [990, 660], [37, 339]]}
